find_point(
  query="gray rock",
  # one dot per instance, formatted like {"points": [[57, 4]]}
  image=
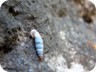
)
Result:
{"points": [[66, 29]]}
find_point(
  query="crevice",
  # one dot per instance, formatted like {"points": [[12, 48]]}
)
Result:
{"points": [[87, 18], [14, 12]]}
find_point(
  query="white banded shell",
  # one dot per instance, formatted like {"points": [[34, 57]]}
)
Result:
{"points": [[38, 42]]}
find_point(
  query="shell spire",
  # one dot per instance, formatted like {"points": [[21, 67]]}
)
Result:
{"points": [[1, 2], [2, 70]]}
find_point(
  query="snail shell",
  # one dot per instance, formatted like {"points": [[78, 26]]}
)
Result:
{"points": [[38, 43], [2, 70]]}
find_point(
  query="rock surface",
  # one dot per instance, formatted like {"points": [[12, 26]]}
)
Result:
{"points": [[68, 28]]}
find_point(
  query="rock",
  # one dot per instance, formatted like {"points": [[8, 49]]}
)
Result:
{"points": [[66, 27]]}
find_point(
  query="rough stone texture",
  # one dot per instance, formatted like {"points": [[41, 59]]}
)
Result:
{"points": [[68, 28]]}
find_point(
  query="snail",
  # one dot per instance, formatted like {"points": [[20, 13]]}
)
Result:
{"points": [[38, 43]]}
